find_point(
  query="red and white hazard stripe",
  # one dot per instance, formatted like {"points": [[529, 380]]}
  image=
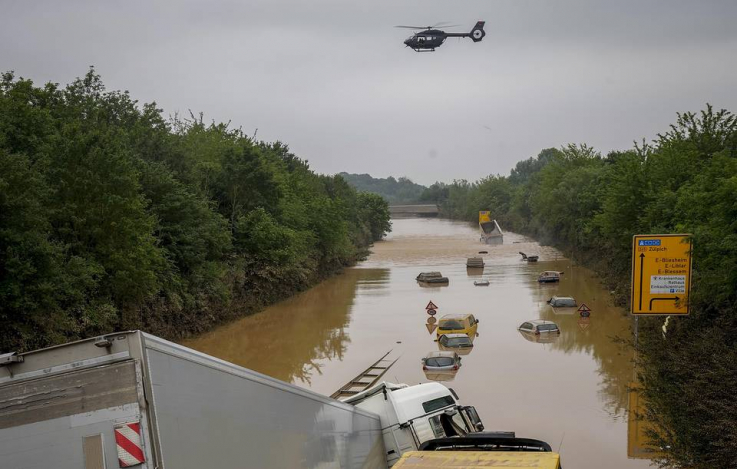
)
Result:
{"points": [[128, 441]]}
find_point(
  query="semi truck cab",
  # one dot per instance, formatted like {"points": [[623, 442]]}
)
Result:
{"points": [[413, 415]]}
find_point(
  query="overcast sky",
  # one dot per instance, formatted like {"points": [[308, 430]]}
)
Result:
{"points": [[332, 79]]}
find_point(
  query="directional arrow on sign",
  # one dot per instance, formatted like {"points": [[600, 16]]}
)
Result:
{"points": [[675, 298], [642, 274]]}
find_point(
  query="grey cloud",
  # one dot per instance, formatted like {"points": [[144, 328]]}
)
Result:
{"points": [[333, 80]]}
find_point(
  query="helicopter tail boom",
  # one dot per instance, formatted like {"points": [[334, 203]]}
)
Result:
{"points": [[476, 34]]}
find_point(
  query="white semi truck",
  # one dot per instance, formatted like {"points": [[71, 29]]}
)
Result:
{"points": [[131, 399], [413, 415]]}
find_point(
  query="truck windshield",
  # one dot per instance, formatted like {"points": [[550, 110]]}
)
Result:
{"points": [[439, 403]]}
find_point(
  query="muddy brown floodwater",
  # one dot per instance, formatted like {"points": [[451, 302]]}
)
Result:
{"points": [[571, 392]]}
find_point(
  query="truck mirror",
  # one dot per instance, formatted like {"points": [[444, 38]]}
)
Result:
{"points": [[473, 416]]}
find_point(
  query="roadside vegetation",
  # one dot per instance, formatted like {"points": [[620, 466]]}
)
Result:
{"points": [[395, 191], [590, 205], [115, 217]]}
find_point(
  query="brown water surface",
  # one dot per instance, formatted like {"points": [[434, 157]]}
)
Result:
{"points": [[569, 391]]}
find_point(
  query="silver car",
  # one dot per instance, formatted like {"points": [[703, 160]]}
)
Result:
{"points": [[538, 327], [562, 302], [441, 361], [455, 341]]}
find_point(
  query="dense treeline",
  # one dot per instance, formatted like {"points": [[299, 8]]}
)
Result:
{"points": [[113, 217], [685, 181], [394, 191]]}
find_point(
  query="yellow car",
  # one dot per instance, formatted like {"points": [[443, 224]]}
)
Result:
{"points": [[457, 324]]}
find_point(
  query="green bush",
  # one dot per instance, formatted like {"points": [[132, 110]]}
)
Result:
{"points": [[113, 217]]}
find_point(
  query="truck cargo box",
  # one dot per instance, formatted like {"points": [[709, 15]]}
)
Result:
{"points": [[132, 399]]}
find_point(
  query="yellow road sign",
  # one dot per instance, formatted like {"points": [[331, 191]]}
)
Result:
{"points": [[661, 274]]}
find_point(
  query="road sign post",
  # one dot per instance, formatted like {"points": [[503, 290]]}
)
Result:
{"points": [[661, 274], [584, 311]]}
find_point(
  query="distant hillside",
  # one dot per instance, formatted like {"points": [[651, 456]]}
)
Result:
{"points": [[395, 191]]}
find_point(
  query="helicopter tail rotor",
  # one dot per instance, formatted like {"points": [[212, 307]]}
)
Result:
{"points": [[478, 33]]}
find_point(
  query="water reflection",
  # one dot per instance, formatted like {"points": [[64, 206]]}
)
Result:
{"points": [[539, 338], [288, 340], [597, 335], [441, 376]]}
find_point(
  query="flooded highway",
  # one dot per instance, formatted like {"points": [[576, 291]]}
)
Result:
{"points": [[570, 391]]}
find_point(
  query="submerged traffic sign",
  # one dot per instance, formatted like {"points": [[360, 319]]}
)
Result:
{"points": [[661, 274], [431, 305]]}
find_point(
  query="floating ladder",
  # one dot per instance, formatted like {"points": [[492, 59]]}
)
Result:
{"points": [[365, 380]]}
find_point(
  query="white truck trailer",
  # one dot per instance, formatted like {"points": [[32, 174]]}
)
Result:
{"points": [[132, 399]]}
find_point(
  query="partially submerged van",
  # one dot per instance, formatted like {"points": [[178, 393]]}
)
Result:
{"points": [[457, 324]]}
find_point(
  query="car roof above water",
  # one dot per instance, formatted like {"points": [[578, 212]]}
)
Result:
{"points": [[455, 336], [538, 322], [455, 316], [438, 354]]}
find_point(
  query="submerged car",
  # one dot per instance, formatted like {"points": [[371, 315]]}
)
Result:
{"points": [[549, 276], [562, 302], [441, 361], [539, 338], [455, 341], [457, 324], [432, 278], [539, 327]]}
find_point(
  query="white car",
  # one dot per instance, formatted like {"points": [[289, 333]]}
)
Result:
{"points": [[538, 327], [562, 302]]}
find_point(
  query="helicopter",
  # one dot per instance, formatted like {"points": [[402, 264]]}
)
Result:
{"points": [[431, 37]]}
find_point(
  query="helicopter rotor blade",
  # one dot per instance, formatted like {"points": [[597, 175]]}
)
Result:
{"points": [[444, 24], [413, 27]]}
